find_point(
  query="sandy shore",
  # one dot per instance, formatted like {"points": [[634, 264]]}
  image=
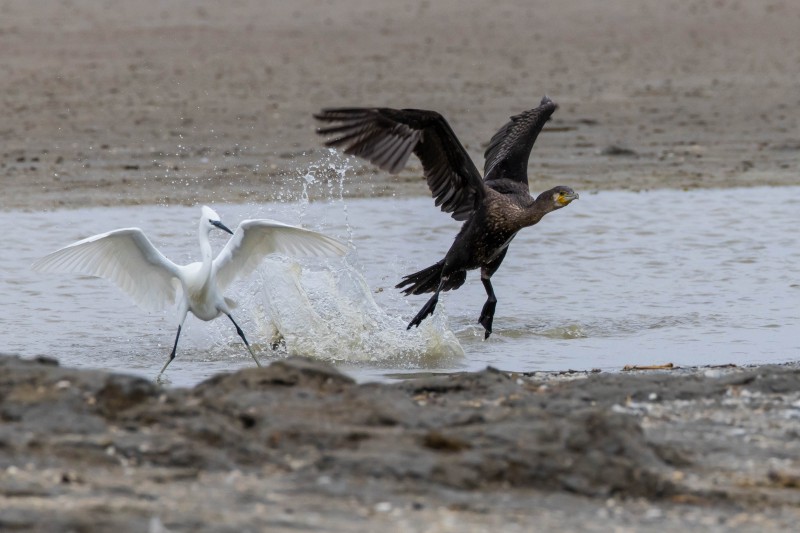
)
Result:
{"points": [[146, 102], [109, 103]]}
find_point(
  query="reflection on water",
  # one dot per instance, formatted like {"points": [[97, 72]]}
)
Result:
{"points": [[697, 277]]}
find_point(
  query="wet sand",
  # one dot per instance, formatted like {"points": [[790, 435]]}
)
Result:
{"points": [[127, 103], [143, 102]]}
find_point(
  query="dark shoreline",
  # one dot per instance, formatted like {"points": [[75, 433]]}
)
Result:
{"points": [[86, 449]]}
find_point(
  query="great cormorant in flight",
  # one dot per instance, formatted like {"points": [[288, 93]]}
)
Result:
{"points": [[494, 207]]}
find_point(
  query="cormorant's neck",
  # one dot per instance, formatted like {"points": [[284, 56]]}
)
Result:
{"points": [[542, 205]]}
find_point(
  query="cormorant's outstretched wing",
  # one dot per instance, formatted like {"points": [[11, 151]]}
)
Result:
{"points": [[386, 137], [506, 165]]}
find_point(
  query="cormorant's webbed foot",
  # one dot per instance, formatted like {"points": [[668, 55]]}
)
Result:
{"points": [[487, 316], [426, 311]]}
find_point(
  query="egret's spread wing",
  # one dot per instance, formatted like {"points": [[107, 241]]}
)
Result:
{"points": [[387, 137], [255, 239], [508, 151], [125, 257]]}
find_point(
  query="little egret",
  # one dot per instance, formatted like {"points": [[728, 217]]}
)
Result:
{"points": [[127, 258]]}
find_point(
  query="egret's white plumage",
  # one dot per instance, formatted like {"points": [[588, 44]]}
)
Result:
{"points": [[127, 258]]}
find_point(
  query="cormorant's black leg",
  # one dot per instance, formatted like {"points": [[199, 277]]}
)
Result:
{"points": [[428, 308], [241, 334], [174, 348], [487, 313]]}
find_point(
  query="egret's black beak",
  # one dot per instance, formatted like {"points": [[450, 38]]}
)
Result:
{"points": [[221, 226]]}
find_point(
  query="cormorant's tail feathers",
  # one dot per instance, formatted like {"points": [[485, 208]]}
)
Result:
{"points": [[427, 280]]}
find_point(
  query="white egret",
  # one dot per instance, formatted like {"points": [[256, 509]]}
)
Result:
{"points": [[127, 258]]}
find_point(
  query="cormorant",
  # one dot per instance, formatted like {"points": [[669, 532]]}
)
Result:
{"points": [[494, 208]]}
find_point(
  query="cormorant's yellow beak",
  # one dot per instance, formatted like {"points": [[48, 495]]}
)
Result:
{"points": [[565, 199]]}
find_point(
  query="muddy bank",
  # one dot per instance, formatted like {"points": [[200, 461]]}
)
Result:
{"points": [[298, 446]]}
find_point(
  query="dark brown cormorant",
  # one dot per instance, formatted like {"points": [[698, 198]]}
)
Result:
{"points": [[495, 208]]}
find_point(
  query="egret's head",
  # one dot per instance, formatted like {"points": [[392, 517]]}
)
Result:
{"points": [[559, 196], [211, 219]]}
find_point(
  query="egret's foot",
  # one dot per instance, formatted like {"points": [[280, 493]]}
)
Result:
{"points": [[487, 317], [425, 312], [251, 352], [241, 334], [172, 353], [163, 368]]}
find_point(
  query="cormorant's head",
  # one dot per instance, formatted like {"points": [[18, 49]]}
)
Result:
{"points": [[560, 196], [211, 219]]}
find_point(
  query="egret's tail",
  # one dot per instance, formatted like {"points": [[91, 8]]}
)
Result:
{"points": [[427, 280]]}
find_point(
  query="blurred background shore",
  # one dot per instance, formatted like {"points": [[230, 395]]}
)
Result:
{"points": [[108, 103]]}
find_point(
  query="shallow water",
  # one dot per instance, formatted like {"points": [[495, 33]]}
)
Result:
{"points": [[692, 278]]}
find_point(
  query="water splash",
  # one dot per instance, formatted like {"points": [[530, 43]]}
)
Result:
{"points": [[308, 179], [328, 312]]}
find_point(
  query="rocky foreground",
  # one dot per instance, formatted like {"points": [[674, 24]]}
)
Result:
{"points": [[299, 446]]}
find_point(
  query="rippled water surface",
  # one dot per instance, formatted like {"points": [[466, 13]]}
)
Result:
{"points": [[616, 278]]}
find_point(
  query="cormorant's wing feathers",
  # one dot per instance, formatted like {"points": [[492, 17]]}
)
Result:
{"points": [[508, 151], [125, 257], [387, 137], [255, 239], [367, 134]]}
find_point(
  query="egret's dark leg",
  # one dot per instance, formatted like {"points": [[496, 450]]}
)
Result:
{"points": [[174, 348], [428, 308], [241, 334], [487, 313]]}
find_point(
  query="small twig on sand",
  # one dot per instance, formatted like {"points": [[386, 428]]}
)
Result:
{"points": [[667, 366]]}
